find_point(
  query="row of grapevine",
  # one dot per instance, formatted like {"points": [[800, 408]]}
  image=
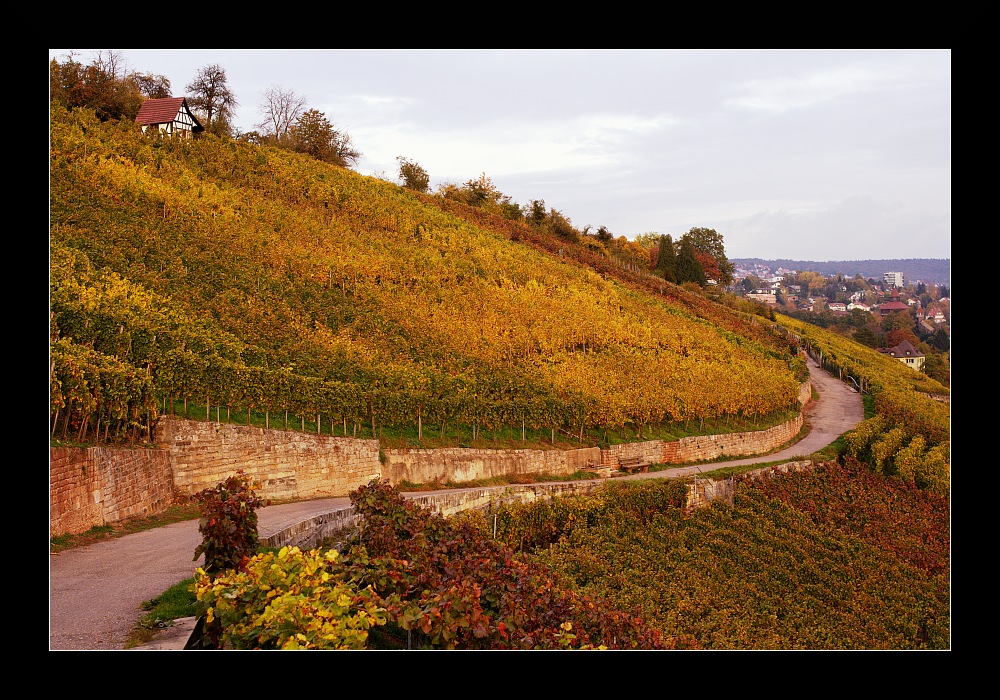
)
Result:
{"points": [[244, 276], [830, 559], [910, 434], [827, 559], [408, 580]]}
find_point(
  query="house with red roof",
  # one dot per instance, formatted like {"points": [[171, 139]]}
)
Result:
{"points": [[935, 315], [891, 306], [170, 115]]}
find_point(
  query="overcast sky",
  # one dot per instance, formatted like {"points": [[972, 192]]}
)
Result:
{"points": [[799, 154]]}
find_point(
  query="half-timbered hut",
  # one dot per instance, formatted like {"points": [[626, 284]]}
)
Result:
{"points": [[171, 115]]}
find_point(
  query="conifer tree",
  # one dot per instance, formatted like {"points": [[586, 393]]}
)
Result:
{"points": [[666, 259], [688, 267]]}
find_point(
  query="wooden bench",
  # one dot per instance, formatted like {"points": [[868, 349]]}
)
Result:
{"points": [[633, 464]]}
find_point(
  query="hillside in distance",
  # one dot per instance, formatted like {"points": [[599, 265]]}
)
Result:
{"points": [[927, 270], [223, 272]]}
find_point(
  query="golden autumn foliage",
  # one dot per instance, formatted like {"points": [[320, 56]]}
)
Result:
{"points": [[909, 434], [240, 275]]}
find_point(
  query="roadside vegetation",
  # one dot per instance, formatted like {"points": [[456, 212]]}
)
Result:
{"points": [[174, 603], [835, 557]]}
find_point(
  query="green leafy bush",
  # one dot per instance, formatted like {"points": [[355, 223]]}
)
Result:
{"points": [[289, 600]]}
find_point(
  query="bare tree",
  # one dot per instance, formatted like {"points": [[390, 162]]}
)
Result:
{"points": [[213, 98], [112, 62], [151, 85], [347, 155], [280, 108]]}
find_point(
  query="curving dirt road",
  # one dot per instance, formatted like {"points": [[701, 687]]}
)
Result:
{"points": [[95, 591]]}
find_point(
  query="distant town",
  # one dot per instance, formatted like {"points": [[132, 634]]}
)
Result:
{"points": [[909, 320], [926, 270]]}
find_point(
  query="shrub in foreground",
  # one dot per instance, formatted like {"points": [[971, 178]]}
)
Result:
{"points": [[228, 524], [289, 600], [409, 579]]}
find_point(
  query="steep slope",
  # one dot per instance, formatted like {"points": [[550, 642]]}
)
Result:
{"points": [[237, 275]]}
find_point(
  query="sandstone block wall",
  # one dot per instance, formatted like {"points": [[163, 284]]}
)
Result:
{"points": [[786, 468], [458, 464], [451, 503], [97, 485], [335, 525], [705, 447], [701, 492], [649, 451], [805, 393], [338, 524], [288, 464]]}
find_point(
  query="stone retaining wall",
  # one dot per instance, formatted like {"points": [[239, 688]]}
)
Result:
{"points": [[805, 393], [786, 468], [96, 486], [705, 447], [337, 524], [454, 502], [288, 464], [701, 492], [649, 451], [457, 464]]}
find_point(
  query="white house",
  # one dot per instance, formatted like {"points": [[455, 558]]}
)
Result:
{"points": [[764, 295]]}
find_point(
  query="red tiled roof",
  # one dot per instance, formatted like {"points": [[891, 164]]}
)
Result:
{"points": [[162, 110], [893, 306]]}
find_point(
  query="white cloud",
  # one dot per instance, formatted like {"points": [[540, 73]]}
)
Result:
{"points": [[509, 147], [856, 228], [785, 93]]}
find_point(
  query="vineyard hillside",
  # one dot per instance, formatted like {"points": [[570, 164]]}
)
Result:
{"points": [[217, 275], [222, 273]]}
